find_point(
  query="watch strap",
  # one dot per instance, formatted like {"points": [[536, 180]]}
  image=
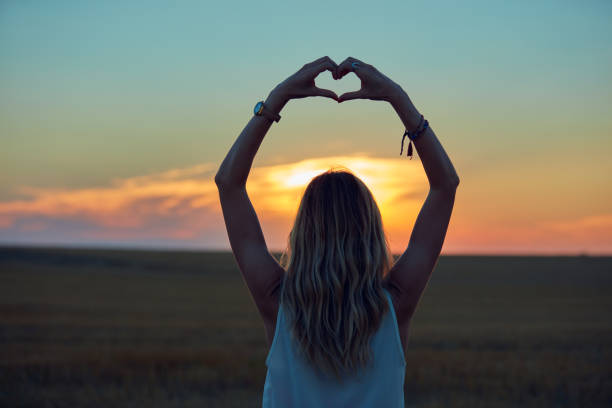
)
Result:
{"points": [[267, 112]]}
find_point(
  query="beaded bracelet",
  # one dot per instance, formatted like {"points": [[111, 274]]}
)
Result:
{"points": [[414, 135]]}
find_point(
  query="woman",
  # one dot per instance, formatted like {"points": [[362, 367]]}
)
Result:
{"points": [[336, 309]]}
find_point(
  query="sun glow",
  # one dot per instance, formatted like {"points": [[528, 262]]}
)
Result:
{"points": [[396, 186], [182, 205], [301, 177]]}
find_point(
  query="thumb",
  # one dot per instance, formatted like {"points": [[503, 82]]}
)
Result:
{"points": [[351, 95], [326, 93]]}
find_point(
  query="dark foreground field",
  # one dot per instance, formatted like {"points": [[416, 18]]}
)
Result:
{"points": [[86, 328]]}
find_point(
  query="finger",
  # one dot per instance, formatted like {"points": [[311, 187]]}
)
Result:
{"points": [[330, 65], [326, 93], [319, 61], [346, 66], [325, 64], [351, 95]]}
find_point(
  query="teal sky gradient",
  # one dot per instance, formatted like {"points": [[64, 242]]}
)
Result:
{"points": [[94, 91]]}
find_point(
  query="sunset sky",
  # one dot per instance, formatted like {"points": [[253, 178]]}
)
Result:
{"points": [[115, 116]]}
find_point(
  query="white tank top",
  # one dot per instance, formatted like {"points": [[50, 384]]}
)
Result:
{"points": [[292, 382]]}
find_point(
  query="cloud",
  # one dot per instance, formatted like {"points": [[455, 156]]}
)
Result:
{"points": [[174, 204], [590, 232], [182, 205], [586, 234], [584, 225]]}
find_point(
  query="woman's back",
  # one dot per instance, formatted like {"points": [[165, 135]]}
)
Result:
{"points": [[292, 382]]}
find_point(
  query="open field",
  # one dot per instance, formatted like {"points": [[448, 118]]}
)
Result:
{"points": [[91, 328]]}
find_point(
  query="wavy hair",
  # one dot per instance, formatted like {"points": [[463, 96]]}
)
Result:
{"points": [[336, 258]]}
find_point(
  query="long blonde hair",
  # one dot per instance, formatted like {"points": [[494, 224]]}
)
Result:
{"points": [[336, 258]]}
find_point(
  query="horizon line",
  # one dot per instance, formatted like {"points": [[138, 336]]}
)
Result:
{"points": [[177, 248]]}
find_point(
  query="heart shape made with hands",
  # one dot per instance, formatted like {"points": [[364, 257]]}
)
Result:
{"points": [[348, 83]]}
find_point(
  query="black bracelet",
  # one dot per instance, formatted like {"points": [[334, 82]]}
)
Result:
{"points": [[414, 135]]}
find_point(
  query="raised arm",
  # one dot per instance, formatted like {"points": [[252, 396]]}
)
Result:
{"points": [[409, 275], [260, 270], [411, 272]]}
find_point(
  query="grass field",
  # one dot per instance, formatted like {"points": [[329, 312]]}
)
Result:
{"points": [[92, 328]]}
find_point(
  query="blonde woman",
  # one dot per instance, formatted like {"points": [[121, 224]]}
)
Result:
{"points": [[336, 309]]}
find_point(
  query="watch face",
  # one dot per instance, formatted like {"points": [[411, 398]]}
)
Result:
{"points": [[258, 108]]}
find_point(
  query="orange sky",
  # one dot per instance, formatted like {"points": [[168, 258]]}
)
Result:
{"points": [[180, 207]]}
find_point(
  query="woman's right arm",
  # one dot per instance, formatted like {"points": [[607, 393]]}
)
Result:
{"points": [[409, 275]]}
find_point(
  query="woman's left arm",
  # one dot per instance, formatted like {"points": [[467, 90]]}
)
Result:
{"points": [[260, 270]]}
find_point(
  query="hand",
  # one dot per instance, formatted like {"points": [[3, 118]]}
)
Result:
{"points": [[302, 83], [374, 85]]}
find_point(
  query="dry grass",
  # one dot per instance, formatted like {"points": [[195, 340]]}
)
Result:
{"points": [[167, 329]]}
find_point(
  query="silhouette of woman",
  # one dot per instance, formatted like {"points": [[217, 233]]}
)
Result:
{"points": [[336, 309]]}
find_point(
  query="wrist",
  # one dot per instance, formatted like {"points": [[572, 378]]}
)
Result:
{"points": [[397, 95], [276, 100], [405, 109]]}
